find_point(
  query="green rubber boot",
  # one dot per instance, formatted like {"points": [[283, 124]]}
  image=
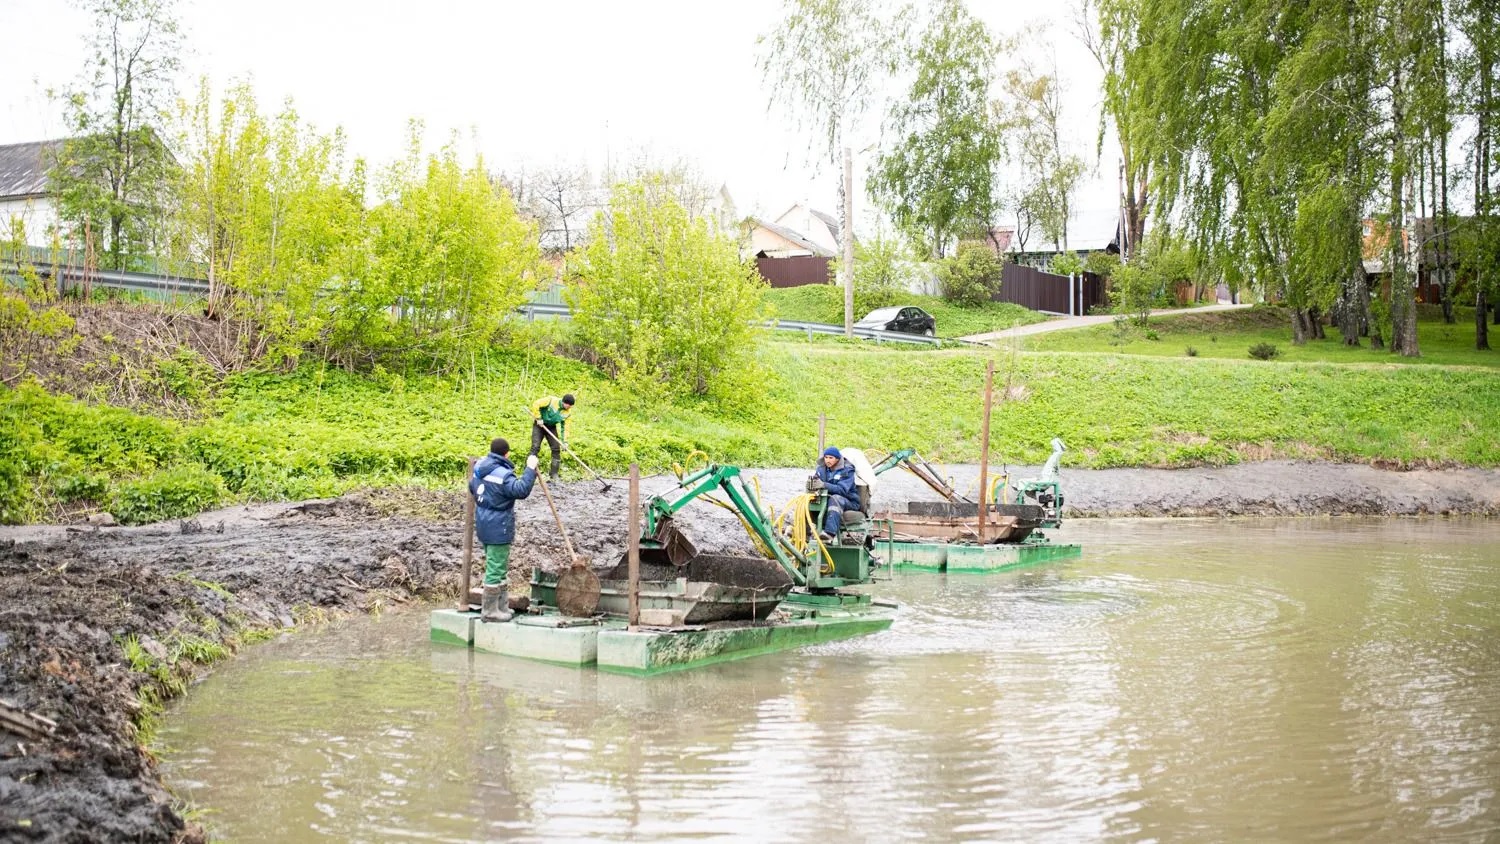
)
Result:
{"points": [[492, 611]]}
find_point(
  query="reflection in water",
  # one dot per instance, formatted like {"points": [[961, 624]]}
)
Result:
{"points": [[1184, 680]]}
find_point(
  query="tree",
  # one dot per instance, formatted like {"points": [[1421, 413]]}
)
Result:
{"points": [[111, 178], [1252, 118], [663, 299], [1108, 28], [275, 215], [451, 254], [225, 168], [1032, 116], [1479, 21], [559, 199], [825, 62], [938, 181]]}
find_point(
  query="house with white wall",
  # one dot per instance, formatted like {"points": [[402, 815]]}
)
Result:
{"points": [[25, 203]]}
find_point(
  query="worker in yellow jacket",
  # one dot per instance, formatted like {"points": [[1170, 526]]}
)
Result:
{"points": [[549, 421]]}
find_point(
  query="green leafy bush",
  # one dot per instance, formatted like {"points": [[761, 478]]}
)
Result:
{"points": [[663, 298], [80, 486], [182, 490], [18, 441], [1264, 351], [1191, 352], [972, 276], [187, 376], [883, 273], [1068, 263]]}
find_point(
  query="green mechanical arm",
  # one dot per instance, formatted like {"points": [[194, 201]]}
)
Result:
{"points": [[908, 459], [659, 512], [894, 459]]}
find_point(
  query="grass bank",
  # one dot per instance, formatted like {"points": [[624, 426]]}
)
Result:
{"points": [[1230, 334], [825, 303], [320, 432]]}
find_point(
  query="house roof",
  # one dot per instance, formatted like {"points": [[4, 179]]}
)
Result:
{"points": [[793, 236], [828, 220], [23, 168]]}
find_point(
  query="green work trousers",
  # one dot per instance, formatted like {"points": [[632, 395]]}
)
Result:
{"points": [[495, 559]]}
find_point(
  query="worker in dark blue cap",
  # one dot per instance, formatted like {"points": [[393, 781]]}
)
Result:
{"points": [[837, 477]]}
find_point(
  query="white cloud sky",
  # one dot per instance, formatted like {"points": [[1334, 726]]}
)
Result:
{"points": [[537, 83]]}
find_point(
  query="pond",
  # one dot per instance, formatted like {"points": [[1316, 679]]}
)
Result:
{"points": [[1186, 679]]}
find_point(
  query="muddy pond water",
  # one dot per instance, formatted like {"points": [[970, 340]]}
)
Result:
{"points": [[1185, 680]]}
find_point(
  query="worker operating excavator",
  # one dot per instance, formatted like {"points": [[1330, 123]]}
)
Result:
{"points": [[835, 475]]}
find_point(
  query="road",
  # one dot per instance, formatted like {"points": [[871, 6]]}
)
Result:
{"points": [[1064, 323]]}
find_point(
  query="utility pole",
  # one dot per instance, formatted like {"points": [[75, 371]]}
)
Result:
{"points": [[848, 243]]}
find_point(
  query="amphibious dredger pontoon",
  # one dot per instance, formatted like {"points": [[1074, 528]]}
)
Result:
{"points": [[696, 609], [949, 536]]}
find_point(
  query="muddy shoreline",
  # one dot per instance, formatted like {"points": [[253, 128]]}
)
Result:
{"points": [[179, 592]]}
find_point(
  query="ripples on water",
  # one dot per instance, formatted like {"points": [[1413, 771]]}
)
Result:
{"points": [[1308, 679]]}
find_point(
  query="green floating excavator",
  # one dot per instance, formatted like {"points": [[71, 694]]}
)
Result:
{"points": [[815, 567], [1014, 510]]}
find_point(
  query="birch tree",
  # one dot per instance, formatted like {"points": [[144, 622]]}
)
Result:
{"points": [[1031, 116], [111, 177], [937, 180]]}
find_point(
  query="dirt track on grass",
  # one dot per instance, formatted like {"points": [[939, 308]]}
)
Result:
{"points": [[70, 595]]}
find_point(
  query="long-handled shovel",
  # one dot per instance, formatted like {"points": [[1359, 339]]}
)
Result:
{"points": [[578, 587], [564, 446]]}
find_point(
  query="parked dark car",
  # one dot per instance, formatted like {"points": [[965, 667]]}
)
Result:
{"points": [[909, 320]]}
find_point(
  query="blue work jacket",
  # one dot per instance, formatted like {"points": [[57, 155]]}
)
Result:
{"points": [[839, 480], [496, 489]]}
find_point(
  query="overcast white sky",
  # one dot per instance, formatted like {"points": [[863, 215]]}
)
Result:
{"points": [[540, 83]]}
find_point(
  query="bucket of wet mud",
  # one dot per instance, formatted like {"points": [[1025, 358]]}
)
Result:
{"points": [[708, 588]]}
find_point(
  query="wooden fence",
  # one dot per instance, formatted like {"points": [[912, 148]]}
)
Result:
{"points": [[1058, 294], [793, 272]]}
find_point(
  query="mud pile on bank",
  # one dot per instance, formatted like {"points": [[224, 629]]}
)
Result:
{"points": [[99, 626]]}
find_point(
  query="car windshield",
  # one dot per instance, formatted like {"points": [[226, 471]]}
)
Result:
{"points": [[881, 315]]}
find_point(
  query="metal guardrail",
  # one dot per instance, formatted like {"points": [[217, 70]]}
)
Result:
{"points": [[534, 310], [875, 334], [66, 276]]}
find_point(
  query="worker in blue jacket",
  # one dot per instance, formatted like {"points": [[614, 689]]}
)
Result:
{"points": [[837, 477], [496, 489]]}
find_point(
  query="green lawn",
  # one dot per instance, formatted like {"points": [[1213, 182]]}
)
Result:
{"points": [[825, 303], [318, 432], [1230, 334]]}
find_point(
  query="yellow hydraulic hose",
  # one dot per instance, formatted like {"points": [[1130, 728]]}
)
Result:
{"points": [[799, 511], [1001, 482], [681, 469]]}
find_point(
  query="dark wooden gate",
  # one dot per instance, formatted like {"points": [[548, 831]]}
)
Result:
{"points": [[1056, 294]]}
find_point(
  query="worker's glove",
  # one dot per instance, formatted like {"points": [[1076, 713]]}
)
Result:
{"points": [[814, 483], [531, 461]]}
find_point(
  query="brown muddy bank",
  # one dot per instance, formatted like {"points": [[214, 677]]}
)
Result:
{"points": [[71, 596]]}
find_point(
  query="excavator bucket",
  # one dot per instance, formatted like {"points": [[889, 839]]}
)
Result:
{"points": [[668, 546]]}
